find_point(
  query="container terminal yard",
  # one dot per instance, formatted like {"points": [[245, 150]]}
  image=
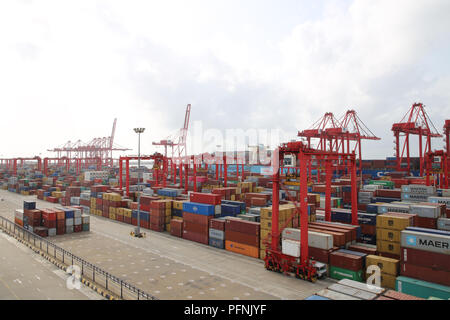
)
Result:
{"points": [[320, 214], [312, 225]]}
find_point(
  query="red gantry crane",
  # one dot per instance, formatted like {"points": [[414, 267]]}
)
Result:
{"points": [[415, 122], [96, 148], [298, 155]]}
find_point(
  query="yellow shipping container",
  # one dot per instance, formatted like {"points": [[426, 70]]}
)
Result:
{"points": [[127, 212], [388, 281], [262, 254], [233, 197], [389, 235], [112, 216], [267, 224], [168, 212], [168, 218], [119, 212], [178, 204], [264, 233], [388, 247], [386, 265], [168, 227], [392, 222]]}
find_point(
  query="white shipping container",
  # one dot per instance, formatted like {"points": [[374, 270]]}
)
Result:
{"points": [[425, 211], [76, 213], [361, 294], [85, 219], [75, 201], [419, 189], [333, 295], [443, 224], [52, 232], [18, 214], [69, 222], [445, 200], [315, 239], [291, 248], [361, 286], [77, 221]]}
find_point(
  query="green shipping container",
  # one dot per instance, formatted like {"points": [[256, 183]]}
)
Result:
{"points": [[339, 274], [86, 227], [385, 183], [421, 289]]}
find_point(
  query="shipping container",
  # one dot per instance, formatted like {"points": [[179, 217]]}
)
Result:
{"points": [[422, 289], [315, 239], [333, 295], [354, 292], [426, 241], [425, 273], [386, 265]]}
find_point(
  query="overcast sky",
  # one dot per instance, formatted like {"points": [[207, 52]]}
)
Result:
{"points": [[68, 68]]}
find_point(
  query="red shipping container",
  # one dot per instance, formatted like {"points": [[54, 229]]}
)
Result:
{"points": [[425, 273], [243, 238], [134, 221], [157, 227], [200, 238], [195, 227], [144, 224], [206, 198], [389, 255], [158, 205], [433, 260], [157, 220], [368, 229], [400, 296], [78, 228], [119, 218], [157, 213], [197, 218], [363, 249], [217, 224], [320, 255], [243, 226], [328, 227], [60, 231], [430, 223], [346, 261], [127, 220], [176, 228]]}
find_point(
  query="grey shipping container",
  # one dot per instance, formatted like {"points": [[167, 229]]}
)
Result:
{"points": [[52, 232], [69, 222], [443, 224], [357, 293], [425, 211], [393, 208], [216, 234], [315, 239], [426, 241], [419, 189], [361, 286], [69, 229], [445, 200], [333, 295], [414, 197]]}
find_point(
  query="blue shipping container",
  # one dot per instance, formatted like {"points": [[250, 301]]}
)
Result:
{"points": [[199, 208], [217, 243]]}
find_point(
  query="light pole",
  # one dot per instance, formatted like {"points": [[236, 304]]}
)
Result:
{"points": [[138, 229]]}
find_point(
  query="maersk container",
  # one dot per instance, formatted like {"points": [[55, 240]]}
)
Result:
{"points": [[315, 239], [413, 197], [443, 224], [419, 189], [199, 208], [426, 241], [333, 295], [393, 208], [425, 211], [445, 200], [360, 294], [421, 289], [427, 230]]}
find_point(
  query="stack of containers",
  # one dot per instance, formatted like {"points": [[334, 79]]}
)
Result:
{"points": [[77, 221], [168, 215], [49, 221], [346, 264], [284, 214], [217, 233], [368, 223], [176, 228], [427, 214], [242, 237], [85, 222], [18, 217], [422, 289], [320, 244], [196, 217], [157, 215], [425, 255], [389, 227], [60, 222], [388, 267], [441, 200], [70, 215], [177, 210], [417, 193]]}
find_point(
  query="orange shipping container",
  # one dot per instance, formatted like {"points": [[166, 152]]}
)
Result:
{"points": [[242, 249]]}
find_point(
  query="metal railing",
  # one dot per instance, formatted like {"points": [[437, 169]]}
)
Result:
{"points": [[117, 286]]}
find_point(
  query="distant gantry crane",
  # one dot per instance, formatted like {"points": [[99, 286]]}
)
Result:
{"points": [[96, 148], [415, 122]]}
